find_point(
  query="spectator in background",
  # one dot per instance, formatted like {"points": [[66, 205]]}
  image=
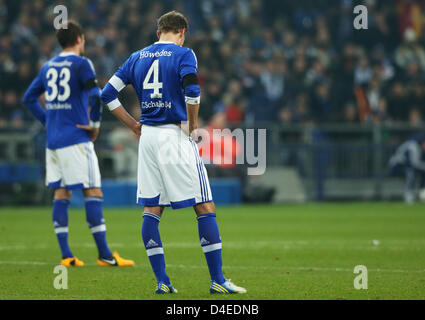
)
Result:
{"points": [[276, 51], [410, 16], [410, 50], [373, 94], [380, 114], [398, 109], [273, 79], [350, 113], [301, 111], [363, 72], [322, 108], [415, 117], [285, 115], [13, 115], [4, 114]]}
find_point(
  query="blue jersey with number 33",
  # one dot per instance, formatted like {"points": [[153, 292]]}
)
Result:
{"points": [[62, 79]]}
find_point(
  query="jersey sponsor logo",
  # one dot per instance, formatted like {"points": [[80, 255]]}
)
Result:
{"points": [[58, 106], [156, 104], [148, 54]]}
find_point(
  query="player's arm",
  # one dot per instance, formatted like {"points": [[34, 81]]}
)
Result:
{"points": [[96, 105], [30, 99], [95, 102], [110, 98], [87, 76], [192, 90], [193, 98]]}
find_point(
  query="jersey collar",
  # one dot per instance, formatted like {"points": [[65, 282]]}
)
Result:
{"points": [[164, 42], [66, 54]]}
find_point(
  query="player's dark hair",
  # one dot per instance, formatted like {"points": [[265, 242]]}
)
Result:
{"points": [[68, 37], [172, 22]]}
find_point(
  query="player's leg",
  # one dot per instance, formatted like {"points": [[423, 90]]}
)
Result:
{"points": [[210, 239], [153, 244], [186, 184], [61, 198], [80, 170], [151, 194], [94, 216], [60, 220], [409, 193]]}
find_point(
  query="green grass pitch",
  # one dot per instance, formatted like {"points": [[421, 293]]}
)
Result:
{"points": [[277, 252]]}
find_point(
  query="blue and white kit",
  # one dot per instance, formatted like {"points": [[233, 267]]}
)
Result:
{"points": [[170, 170], [69, 84]]}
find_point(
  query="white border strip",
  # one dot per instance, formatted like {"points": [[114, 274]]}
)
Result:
{"points": [[100, 228], [193, 101], [155, 251], [61, 230], [212, 247], [114, 104], [117, 83]]}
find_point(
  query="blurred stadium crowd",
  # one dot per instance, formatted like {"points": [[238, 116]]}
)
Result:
{"points": [[268, 61]]}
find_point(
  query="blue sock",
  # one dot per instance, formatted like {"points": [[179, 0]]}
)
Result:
{"points": [[60, 223], [211, 245], [153, 245], [97, 225]]}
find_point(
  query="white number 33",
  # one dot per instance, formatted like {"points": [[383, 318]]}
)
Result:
{"points": [[52, 77]]}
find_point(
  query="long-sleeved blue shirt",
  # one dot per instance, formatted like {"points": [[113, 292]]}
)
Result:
{"points": [[67, 82]]}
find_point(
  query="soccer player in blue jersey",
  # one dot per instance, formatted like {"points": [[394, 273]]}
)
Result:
{"points": [[170, 170], [69, 84]]}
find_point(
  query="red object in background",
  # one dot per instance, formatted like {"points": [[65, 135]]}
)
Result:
{"points": [[223, 149], [234, 114], [362, 103], [201, 79], [409, 16]]}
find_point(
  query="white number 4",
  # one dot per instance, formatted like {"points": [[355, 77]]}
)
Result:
{"points": [[155, 85]]}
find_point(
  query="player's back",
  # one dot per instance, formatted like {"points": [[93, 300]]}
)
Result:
{"points": [[63, 78], [156, 73]]}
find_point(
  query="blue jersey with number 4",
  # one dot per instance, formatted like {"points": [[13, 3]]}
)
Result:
{"points": [[62, 80], [156, 73]]}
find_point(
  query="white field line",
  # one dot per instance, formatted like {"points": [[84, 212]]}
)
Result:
{"points": [[281, 268], [36, 263], [285, 245]]}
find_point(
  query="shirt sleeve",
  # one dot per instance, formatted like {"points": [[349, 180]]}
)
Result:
{"points": [[118, 82], [87, 76], [31, 96], [86, 71], [188, 64], [96, 107], [124, 72]]}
